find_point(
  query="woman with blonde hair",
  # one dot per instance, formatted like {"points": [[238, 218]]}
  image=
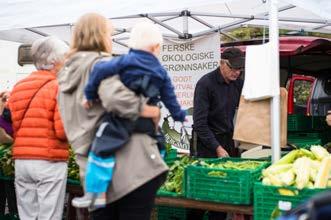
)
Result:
{"points": [[139, 169]]}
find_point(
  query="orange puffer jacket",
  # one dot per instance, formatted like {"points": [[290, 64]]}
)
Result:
{"points": [[38, 130]]}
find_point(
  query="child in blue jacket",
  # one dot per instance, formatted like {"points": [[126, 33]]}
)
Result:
{"points": [[141, 71]]}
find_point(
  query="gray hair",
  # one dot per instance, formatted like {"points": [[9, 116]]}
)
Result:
{"points": [[48, 51]]}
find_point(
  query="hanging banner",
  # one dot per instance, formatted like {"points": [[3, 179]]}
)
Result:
{"points": [[186, 62]]}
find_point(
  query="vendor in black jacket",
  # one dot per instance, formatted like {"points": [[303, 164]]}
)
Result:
{"points": [[216, 98]]}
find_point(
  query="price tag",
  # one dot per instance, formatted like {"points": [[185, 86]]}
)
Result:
{"points": [[284, 205]]}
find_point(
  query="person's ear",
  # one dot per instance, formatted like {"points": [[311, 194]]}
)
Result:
{"points": [[156, 49]]}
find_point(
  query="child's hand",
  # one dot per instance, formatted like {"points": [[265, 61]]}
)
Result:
{"points": [[87, 104], [156, 121]]}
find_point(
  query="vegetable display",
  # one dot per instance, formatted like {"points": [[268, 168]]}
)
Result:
{"points": [[300, 168], [73, 168], [174, 179], [7, 163], [234, 165]]}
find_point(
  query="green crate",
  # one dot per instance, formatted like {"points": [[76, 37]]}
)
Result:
{"points": [[298, 122], [302, 143], [319, 123], [234, 188], [319, 137], [165, 193], [7, 178], [73, 182], [269, 203], [170, 213], [9, 217]]}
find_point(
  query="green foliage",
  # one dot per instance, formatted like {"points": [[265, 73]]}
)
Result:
{"points": [[73, 168], [6, 161], [175, 176], [301, 92], [249, 33]]}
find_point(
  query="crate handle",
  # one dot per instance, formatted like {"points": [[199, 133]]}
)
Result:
{"points": [[218, 174], [288, 192]]}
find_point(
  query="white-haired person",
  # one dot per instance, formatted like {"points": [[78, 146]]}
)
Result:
{"points": [[141, 71], [40, 148]]}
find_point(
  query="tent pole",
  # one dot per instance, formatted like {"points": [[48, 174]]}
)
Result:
{"points": [[201, 33], [37, 32], [165, 26], [241, 21], [274, 71], [185, 14]]}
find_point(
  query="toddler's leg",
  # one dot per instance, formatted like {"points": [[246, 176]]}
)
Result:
{"points": [[84, 201]]}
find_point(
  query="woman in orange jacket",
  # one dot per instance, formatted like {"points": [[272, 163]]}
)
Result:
{"points": [[40, 146]]}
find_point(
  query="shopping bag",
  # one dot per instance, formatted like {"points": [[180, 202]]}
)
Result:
{"points": [[253, 121]]}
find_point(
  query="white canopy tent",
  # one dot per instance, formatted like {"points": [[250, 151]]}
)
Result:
{"points": [[26, 20]]}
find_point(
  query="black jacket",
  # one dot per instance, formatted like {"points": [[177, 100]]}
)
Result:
{"points": [[215, 103]]}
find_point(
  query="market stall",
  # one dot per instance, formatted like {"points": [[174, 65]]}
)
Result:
{"points": [[193, 175]]}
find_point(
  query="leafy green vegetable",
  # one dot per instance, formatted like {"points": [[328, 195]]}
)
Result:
{"points": [[174, 180], [233, 165], [73, 168], [6, 161]]}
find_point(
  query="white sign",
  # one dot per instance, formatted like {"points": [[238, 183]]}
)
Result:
{"points": [[186, 62]]}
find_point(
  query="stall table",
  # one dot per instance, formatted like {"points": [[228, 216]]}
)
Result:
{"points": [[245, 210], [211, 206]]}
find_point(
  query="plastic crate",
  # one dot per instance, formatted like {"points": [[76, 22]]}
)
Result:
{"points": [[269, 203], [9, 217], [298, 123], [319, 123], [170, 213], [73, 182], [302, 137], [235, 187], [303, 143], [165, 193]]}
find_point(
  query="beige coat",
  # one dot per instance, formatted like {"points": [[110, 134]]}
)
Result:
{"points": [[136, 163]]}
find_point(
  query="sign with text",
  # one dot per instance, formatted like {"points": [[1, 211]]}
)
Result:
{"points": [[186, 61]]}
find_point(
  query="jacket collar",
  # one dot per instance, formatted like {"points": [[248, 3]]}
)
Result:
{"points": [[46, 73], [219, 76]]}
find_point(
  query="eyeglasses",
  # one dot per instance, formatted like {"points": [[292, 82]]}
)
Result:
{"points": [[232, 68]]}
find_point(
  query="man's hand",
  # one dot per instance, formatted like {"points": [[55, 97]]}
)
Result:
{"points": [[328, 118], [221, 152], [156, 120]]}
